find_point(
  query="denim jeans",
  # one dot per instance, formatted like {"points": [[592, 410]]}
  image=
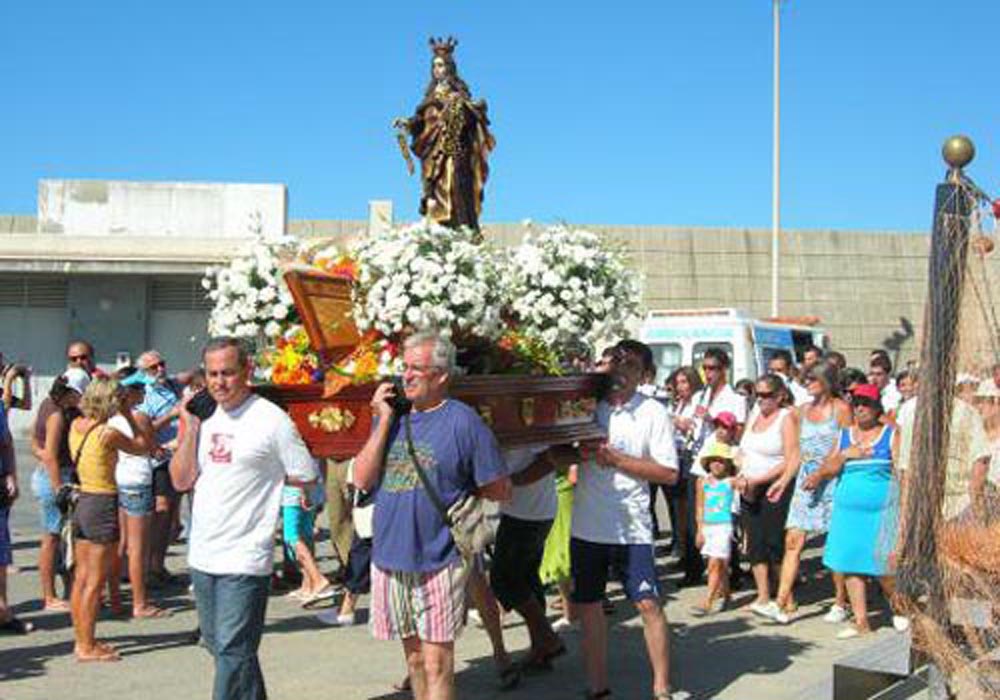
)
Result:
{"points": [[231, 614]]}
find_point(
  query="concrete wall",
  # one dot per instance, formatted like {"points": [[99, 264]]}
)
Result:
{"points": [[867, 288]]}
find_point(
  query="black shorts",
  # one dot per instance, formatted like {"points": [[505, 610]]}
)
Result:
{"points": [[162, 486], [95, 518], [764, 523], [517, 555]]}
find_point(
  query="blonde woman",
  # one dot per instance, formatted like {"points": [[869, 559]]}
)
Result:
{"points": [[94, 446]]}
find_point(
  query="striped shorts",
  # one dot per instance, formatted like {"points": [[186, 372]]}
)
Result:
{"points": [[429, 606]]}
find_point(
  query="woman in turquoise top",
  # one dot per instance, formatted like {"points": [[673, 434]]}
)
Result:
{"points": [[863, 526]]}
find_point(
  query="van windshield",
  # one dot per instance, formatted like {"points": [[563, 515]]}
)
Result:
{"points": [[667, 357]]}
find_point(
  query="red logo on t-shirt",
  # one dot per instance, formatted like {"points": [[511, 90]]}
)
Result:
{"points": [[221, 450]]}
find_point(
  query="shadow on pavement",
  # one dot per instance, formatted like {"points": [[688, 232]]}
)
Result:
{"points": [[695, 646]]}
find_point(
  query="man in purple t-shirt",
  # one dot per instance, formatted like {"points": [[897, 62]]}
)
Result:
{"points": [[418, 576]]}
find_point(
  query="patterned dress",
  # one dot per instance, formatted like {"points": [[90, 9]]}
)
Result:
{"points": [[810, 510]]}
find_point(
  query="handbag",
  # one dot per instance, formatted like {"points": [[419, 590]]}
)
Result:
{"points": [[465, 519]]}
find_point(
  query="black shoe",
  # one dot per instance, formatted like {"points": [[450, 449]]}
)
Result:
{"points": [[16, 626], [689, 581]]}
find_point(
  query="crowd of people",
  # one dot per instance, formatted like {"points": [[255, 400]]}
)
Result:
{"points": [[751, 472]]}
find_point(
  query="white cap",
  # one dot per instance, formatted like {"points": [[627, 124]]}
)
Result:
{"points": [[77, 379]]}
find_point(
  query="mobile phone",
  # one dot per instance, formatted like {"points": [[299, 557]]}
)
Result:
{"points": [[400, 404], [201, 405]]}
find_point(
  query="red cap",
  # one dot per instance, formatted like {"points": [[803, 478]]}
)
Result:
{"points": [[867, 391], [726, 419]]}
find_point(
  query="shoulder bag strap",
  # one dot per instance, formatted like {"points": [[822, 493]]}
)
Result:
{"points": [[79, 451], [424, 479]]}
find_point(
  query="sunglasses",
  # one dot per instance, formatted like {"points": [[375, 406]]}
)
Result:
{"points": [[78, 358], [762, 395], [156, 365]]}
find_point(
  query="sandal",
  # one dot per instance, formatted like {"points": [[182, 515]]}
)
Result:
{"points": [[509, 678], [57, 605], [325, 593], [150, 611]]}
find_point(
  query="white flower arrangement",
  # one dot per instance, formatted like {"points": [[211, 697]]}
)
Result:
{"points": [[570, 288], [427, 277], [251, 299]]}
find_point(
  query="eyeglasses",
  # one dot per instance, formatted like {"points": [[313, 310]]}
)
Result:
{"points": [[419, 369], [762, 395]]}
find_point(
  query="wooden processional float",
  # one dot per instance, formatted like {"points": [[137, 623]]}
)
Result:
{"points": [[522, 410]]}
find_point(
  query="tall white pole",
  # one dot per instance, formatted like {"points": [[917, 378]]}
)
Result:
{"points": [[776, 161]]}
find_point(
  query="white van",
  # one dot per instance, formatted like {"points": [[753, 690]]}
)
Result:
{"points": [[681, 336]]}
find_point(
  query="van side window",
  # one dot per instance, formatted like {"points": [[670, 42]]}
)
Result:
{"points": [[667, 357]]}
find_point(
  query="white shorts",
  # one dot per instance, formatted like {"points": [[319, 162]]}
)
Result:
{"points": [[718, 540]]}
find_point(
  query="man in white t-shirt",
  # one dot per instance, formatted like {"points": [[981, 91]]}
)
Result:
{"points": [[717, 396], [612, 529], [237, 458], [969, 456], [880, 374], [525, 521]]}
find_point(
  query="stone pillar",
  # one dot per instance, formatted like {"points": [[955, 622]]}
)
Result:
{"points": [[379, 216]]}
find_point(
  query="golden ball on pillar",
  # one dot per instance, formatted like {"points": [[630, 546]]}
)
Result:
{"points": [[958, 151]]}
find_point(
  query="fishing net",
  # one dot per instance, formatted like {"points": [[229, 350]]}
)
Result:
{"points": [[949, 549]]}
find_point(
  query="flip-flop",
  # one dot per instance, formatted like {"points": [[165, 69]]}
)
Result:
{"points": [[57, 606], [151, 612], [542, 663], [325, 593]]}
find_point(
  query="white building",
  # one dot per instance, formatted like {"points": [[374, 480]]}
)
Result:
{"points": [[120, 265]]}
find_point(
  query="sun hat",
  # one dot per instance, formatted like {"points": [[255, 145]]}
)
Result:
{"points": [[77, 379], [718, 452]]}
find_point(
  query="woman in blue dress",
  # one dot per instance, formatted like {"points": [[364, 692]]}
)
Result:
{"points": [[864, 522]]}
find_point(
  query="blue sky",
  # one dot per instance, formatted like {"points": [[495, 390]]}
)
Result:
{"points": [[631, 112]]}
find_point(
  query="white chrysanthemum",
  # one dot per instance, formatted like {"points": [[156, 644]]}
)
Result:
{"points": [[569, 286], [424, 276], [249, 297]]}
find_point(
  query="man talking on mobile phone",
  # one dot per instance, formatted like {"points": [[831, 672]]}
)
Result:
{"points": [[237, 454]]}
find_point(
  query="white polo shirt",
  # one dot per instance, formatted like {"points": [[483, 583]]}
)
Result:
{"points": [[610, 506]]}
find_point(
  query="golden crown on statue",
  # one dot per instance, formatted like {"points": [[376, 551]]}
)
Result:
{"points": [[443, 47]]}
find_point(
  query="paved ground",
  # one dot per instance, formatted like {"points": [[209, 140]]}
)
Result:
{"points": [[732, 655]]}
